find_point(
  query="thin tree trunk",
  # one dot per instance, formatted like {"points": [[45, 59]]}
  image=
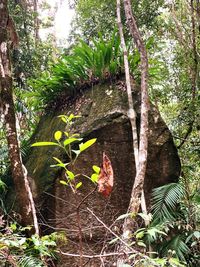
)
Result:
{"points": [[195, 55], [143, 142], [19, 173], [36, 21], [140, 150], [131, 112]]}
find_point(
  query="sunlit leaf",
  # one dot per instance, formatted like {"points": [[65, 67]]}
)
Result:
{"points": [[70, 175], [63, 182], [79, 185], [72, 116], [58, 160], [94, 177], [96, 169], [69, 141], [45, 144], [58, 135], [87, 144]]}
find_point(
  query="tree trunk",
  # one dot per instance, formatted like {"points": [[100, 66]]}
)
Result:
{"points": [[143, 138], [19, 173], [131, 112], [141, 153], [36, 21]]}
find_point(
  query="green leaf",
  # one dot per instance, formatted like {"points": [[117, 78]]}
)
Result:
{"points": [[140, 235], [63, 182], [165, 200], [79, 185], [63, 118], [13, 226], [58, 135], [70, 175], [66, 133], [63, 165], [45, 144], [58, 160], [87, 144], [69, 141], [141, 244], [96, 169], [72, 116], [94, 177]]}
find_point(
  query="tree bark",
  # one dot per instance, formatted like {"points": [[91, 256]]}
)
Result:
{"points": [[19, 173], [143, 137], [131, 112], [36, 21], [194, 50], [140, 150]]}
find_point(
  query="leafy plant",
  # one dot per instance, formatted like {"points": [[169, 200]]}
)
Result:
{"points": [[174, 230], [18, 250], [65, 140], [165, 200]]}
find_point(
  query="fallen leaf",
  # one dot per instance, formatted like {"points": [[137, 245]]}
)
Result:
{"points": [[106, 177]]}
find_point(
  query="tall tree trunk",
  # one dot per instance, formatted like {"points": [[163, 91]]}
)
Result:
{"points": [[131, 112], [141, 153], [194, 50], [140, 149], [143, 137], [36, 21], [19, 173]]}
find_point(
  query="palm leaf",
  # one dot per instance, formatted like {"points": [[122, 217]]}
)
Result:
{"points": [[30, 261], [165, 200], [178, 245]]}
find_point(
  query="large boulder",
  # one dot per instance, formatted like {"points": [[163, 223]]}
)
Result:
{"points": [[104, 116]]}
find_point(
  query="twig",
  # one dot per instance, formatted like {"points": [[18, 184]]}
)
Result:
{"points": [[113, 233], [80, 226], [84, 199], [94, 256]]}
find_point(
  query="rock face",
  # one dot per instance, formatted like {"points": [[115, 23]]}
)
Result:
{"points": [[103, 109]]}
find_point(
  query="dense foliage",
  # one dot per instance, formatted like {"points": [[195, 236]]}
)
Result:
{"points": [[41, 73]]}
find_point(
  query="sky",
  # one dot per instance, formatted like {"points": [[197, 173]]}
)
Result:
{"points": [[63, 19]]}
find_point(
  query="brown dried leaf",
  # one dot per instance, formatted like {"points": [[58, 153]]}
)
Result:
{"points": [[106, 177]]}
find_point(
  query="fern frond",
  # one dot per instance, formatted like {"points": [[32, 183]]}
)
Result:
{"points": [[165, 200]]}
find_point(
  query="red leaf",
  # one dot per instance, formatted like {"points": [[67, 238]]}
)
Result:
{"points": [[106, 177]]}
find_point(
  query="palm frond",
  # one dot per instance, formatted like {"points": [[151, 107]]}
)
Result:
{"points": [[30, 261], [165, 200], [177, 245]]}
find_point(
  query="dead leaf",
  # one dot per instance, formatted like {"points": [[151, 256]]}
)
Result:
{"points": [[106, 177]]}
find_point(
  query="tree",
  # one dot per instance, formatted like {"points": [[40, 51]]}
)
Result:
{"points": [[19, 173], [140, 148], [94, 16]]}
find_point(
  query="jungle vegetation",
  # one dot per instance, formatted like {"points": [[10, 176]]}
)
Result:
{"points": [[42, 72]]}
